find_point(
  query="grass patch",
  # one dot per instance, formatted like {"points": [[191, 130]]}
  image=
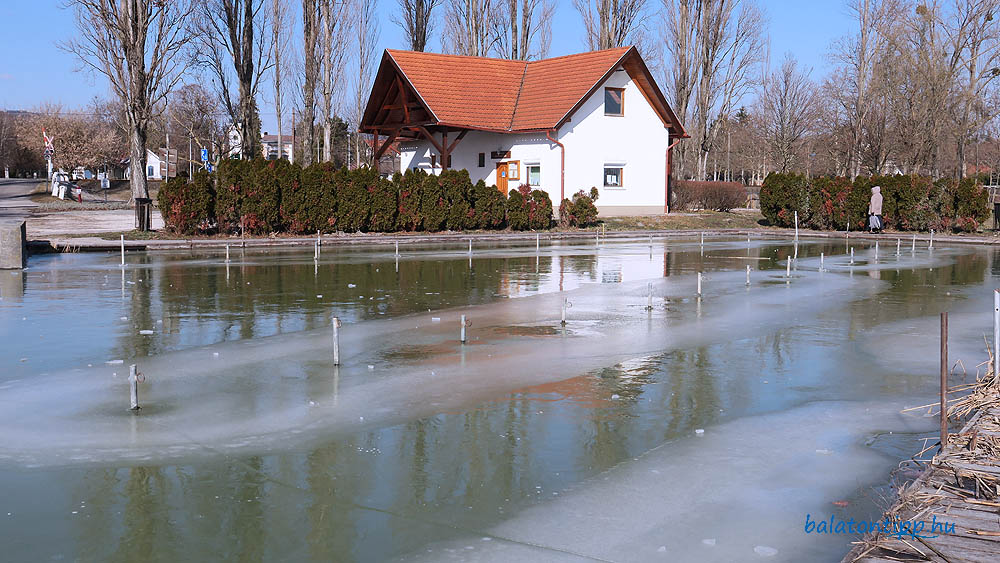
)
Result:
{"points": [[683, 221]]}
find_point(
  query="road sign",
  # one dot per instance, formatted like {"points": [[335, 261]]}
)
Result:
{"points": [[204, 155], [208, 166]]}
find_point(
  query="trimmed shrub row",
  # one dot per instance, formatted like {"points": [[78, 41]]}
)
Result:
{"points": [[909, 202], [268, 196]]}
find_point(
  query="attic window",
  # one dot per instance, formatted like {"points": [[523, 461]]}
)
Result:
{"points": [[614, 101]]}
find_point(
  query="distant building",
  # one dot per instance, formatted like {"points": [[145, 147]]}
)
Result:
{"points": [[156, 165], [271, 147], [275, 148]]}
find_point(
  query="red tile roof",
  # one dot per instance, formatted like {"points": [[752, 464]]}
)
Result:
{"points": [[509, 95]]}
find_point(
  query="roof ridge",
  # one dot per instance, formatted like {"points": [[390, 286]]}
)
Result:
{"points": [[517, 99], [623, 49]]}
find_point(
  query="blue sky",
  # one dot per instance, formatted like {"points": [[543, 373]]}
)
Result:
{"points": [[33, 70]]}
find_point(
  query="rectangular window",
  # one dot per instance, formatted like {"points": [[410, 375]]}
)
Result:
{"points": [[534, 175], [613, 177], [482, 160], [514, 167], [614, 101]]}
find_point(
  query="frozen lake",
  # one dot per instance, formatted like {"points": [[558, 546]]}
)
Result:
{"points": [[700, 430]]}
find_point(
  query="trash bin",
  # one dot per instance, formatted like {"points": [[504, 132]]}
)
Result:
{"points": [[143, 213]]}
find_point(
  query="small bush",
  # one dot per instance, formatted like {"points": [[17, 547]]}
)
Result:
{"points": [[231, 179], [781, 196], [384, 206], [188, 207], [354, 198], [716, 196], [489, 206], [539, 210], [409, 187], [580, 211], [311, 204], [261, 205], [456, 188], [432, 203], [517, 209]]}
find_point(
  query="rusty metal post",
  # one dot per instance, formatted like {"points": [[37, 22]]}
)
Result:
{"points": [[944, 379]]}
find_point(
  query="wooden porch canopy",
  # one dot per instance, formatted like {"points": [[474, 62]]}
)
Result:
{"points": [[396, 111]]}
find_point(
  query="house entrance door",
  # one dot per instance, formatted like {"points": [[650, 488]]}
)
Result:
{"points": [[502, 177]]}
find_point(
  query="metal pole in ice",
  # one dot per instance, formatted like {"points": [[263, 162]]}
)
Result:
{"points": [[649, 296], [227, 253], [537, 241], [133, 387], [876, 251], [699, 284], [336, 341], [788, 267], [996, 327], [931, 245], [470, 247], [820, 262], [796, 225], [463, 329], [852, 255], [913, 245], [564, 305], [944, 380], [123, 250], [748, 275], [897, 246], [397, 248], [703, 238]]}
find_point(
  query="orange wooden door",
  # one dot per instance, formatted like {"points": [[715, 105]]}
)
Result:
{"points": [[502, 177]]}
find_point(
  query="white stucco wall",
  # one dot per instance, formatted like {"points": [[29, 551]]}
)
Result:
{"points": [[636, 141]]}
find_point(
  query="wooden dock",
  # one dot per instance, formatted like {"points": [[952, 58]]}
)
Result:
{"points": [[960, 487]]}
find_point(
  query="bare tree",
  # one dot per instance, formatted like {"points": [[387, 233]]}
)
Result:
{"points": [[366, 37], [335, 19], [234, 46], [977, 36], [523, 30], [135, 45], [788, 111], [681, 23], [469, 25], [415, 19], [195, 112], [311, 22], [730, 43], [279, 39], [612, 23]]}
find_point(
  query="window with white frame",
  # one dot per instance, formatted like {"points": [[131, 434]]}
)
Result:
{"points": [[613, 176], [534, 174]]}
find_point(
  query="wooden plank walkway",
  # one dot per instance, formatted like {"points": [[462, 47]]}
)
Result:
{"points": [[960, 487]]}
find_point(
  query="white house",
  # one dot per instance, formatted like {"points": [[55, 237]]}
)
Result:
{"points": [[154, 166], [564, 124]]}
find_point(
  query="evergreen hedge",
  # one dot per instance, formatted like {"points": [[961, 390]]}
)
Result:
{"points": [[263, 197], [908, 202], [188, 207]]}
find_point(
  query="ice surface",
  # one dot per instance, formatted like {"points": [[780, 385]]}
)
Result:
{"points": [[257, 398], [750, 483]]}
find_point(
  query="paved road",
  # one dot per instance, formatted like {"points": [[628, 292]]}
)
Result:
{"points": [[14, 201]]}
